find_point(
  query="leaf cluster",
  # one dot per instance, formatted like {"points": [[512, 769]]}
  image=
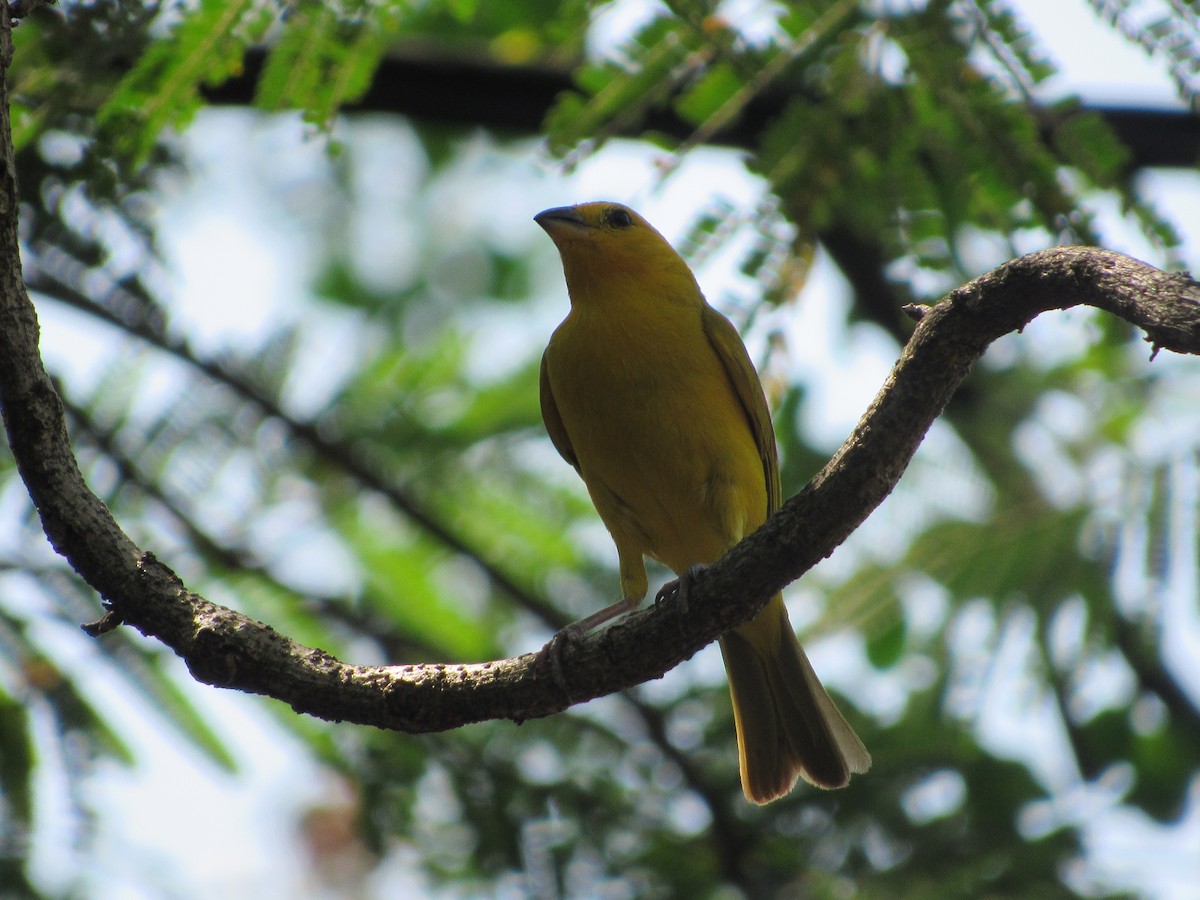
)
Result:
{"points": [[901, 140]]}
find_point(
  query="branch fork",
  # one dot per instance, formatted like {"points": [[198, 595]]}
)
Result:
{"points": [[227, 649]]}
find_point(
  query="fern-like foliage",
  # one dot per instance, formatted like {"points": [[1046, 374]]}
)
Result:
{"points": [[1166, 29], [906, 142], [205, 44]]}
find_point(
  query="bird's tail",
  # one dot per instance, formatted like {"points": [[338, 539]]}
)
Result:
{"points": [[788, 727]]}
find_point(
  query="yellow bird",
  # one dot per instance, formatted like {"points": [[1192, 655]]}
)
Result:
{"points": [[649, 393]]}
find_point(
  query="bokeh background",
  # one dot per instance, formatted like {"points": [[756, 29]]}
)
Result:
{"points": [[290, 286]]}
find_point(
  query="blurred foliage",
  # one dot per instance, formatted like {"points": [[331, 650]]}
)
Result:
{"points": [[1022, 574]]}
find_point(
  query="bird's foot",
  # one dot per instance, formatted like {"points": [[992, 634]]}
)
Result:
{"points": [[677, 589], [551, 654]]}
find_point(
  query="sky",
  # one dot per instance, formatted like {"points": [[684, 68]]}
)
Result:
{"points": [[228, 830]]}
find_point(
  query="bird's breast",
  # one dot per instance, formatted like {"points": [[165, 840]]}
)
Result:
{"points": [[659, 434]]}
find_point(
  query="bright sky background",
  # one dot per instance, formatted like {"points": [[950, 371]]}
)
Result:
{"points": [[173, 814]]}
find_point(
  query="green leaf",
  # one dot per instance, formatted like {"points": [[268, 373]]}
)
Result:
{"points": [[325, 60], [404, 582], [886, 647], [621, 95], [718, 85], [205, 46], [16, 765]]}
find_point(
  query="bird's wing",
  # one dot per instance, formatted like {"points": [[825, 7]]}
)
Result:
{"points": [[732, 352], [554, 422]]}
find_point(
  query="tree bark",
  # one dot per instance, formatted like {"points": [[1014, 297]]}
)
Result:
{"points": [[227, 649]]}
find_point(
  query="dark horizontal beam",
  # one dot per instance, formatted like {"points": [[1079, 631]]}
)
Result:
{"points": [[1163, 138], [453, 89], [463, 90]]}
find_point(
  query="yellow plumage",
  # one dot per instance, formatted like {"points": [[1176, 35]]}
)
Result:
{"points": [[649, 393]]}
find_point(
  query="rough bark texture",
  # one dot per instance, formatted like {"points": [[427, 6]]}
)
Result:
{"points": [[230, 650]]}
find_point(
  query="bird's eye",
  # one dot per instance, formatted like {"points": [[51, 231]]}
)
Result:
{"points": [[618, 218]]}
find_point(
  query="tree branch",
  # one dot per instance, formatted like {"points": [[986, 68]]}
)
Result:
{"points": [[227, 649], [395, 644], [130, 317], [60, 280]]}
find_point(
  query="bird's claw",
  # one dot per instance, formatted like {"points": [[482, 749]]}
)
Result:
{"points": [[551, 654], [669, 591], [677, 589]]}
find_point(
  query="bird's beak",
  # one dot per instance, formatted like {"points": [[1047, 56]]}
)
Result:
{"points": [[561, 220]]}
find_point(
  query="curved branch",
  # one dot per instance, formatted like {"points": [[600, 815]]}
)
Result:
{"points": [[395, 644], [227, 649], [128, 315], [131, 319]]}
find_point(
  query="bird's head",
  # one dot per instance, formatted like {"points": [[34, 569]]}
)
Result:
{"points": [[607, 248]]}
